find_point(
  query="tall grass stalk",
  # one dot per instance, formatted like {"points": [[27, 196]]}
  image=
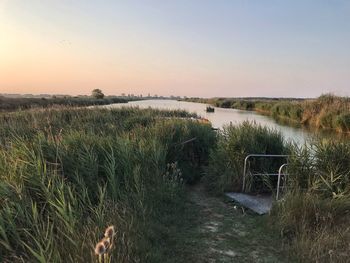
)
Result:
{"points": [[67, 173]]}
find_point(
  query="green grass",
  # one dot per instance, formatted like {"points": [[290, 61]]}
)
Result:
{"points": [[225, 169], [14, 104], [314, 214], [66, 174], [213, 230]]}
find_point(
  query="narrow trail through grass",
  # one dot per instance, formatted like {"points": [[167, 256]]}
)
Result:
{"points": [[214, 231]]}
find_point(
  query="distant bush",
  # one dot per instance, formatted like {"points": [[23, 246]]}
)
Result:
{"points": [[327, 112], [97, 94], [326, 119], [327, 99], [264, 106], [225, 104], [244, 105], [290, 110], [343, 122]]}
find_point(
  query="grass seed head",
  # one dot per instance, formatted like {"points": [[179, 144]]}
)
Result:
{"points": [[110, 232], [106, 242], [100, 248]]}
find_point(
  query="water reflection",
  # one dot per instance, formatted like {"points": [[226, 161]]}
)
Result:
{"points": [[221, 117]]}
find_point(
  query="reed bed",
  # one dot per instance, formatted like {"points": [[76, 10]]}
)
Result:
{"points": [[234, 143], [66, 174], [328, 111], [314, 213]]}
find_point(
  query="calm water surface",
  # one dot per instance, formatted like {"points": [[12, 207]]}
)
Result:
{"points": [[221, 117]]}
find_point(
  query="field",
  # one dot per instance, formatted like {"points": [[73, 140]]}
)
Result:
{"points": [[13, 104], [326, 112], [68, 174], [158, 178]]}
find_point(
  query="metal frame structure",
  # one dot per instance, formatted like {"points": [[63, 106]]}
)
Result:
{"points": [[279, 179], [265, 156]]}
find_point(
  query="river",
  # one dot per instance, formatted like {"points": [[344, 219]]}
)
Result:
{"points": [[221, 117]]}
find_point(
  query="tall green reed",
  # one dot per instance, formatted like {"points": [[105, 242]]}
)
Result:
{"points": [[67, 173]]}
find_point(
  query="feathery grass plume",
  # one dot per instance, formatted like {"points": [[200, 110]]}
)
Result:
{"points": [[106, 242], [108, 245], [100, 248], [110, 232], [101, 251]]}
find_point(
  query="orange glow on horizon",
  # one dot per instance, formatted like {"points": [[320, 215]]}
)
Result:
{"points": [[62, 48]]}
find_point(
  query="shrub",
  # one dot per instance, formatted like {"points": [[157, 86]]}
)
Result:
{"points": [[326, 119], [226, 104], [343, 122], [97, 94], [244, 105], [290, 110], [315, 228]]}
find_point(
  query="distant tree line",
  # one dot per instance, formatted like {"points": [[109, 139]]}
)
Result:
{"points": [[12, 104]]}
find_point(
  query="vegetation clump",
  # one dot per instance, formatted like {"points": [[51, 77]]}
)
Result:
{"points": [[234, 143], [103, 249], [66, 173], [314, 213], [97, 94], [326, 112], [15, 104]]}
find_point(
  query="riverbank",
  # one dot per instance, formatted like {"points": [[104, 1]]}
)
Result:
{"points": [[327, 112]]}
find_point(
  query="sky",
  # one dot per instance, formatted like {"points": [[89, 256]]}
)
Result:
{"points": [[204, 48]]}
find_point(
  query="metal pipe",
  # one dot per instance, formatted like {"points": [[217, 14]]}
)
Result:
{"points": [[279, 179], [257, 155], [181, 143], [244, 172]]}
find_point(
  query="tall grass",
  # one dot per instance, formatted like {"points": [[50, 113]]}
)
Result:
{"points": [[315, 213], [225, 170], [329, 112], [67, 174], [326, 112]]}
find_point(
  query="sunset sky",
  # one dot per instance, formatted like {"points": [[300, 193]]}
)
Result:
{"points": [[204, 48]]}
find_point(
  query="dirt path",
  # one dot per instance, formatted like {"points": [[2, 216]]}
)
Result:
{"points": [[219, 231]]}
